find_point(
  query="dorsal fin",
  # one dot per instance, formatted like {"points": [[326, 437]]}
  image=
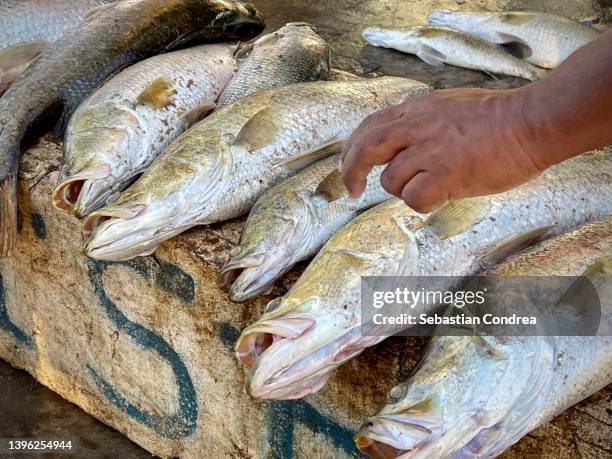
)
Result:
{"points": [[301, 160]]}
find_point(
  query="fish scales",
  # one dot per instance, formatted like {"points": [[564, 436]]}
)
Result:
{"points": [[77, 63], [112, 136], [294, 53], [325, 300], [534, 378], [211, 174], [542, 39], [291, 222]]}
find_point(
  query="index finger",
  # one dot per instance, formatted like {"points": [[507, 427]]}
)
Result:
{"points": [[373, 147]]}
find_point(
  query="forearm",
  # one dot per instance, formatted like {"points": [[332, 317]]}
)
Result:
{"points": [[570, 111]]}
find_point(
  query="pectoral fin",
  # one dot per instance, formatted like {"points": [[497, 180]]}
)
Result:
{"points": [[455, 217], [514, 45], [431, 56], [260, 130], [332, 187], [306, 158]]}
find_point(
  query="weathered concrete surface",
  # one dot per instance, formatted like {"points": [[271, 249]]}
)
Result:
{"points": [[146, 346]]}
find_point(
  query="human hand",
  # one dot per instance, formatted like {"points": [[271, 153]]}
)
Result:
{"points": [[447, 145]]}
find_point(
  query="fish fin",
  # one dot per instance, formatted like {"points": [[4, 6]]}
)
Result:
{"points": [[515, 243], [514, 45], [332, 187], [431, 56], [301, 160], [8, 214], [158, 94], [14, 60], [598, 274], [95, 10], [242, 51], [454, 217], [259, 131], [196, 114]]}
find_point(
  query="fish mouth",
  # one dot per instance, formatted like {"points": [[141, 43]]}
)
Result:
{"points": [[70, 194], [292, 356], [251, 273], [116, 235], [393, 435]]}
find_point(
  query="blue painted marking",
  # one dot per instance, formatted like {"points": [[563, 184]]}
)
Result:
{"points": [[38, 225], [7, 324], [282, 416], [175, 426]]}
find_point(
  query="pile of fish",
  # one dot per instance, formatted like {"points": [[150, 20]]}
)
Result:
{"points": [[520, 44], [175, 114]]}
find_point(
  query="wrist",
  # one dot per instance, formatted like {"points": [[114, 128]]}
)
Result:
{"points": [[545, 136]]}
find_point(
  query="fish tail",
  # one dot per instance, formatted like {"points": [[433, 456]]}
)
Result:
{"points": [[10, 140], [8, 213]]}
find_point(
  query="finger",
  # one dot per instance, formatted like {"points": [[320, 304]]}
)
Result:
{"points": [[400, 170], [370, 122], [375, 147], [424, 192]]}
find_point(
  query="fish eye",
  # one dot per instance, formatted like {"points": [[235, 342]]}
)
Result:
{"points": [[273, 305], [397, 393]]}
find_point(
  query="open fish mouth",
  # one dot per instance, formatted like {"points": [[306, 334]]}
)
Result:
{"points": [[68, 195], [393, 435], [248, 275], [291, 356]]}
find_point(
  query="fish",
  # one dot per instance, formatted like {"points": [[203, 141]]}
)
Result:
{"points": [[303, 336], [30, 27], [438, 46], [295, 53], [541, 39], [113, 38], [474, 396], [291, 222], [117, 132], [218, 169]]}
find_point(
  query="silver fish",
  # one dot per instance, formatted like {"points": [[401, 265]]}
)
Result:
{"points": [[117, 132], [542, 39], [29, 27], [316, 326], [438, 46], [291, 222], [295, 53], [475, 396], [217, 169]]}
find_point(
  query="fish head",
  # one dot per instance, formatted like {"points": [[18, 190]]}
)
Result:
{"points": [[274, 238], [165, 201], [301, 338], [446, 401], [406, 39], [239, 20], [101, 147]]}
